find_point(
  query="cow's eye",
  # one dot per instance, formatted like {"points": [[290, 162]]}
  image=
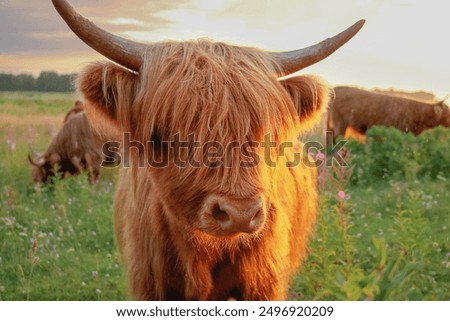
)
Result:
{"points": [[155, 138], [157, 141]]}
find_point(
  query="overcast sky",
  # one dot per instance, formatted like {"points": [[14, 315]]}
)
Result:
{"points": [[405, 44]]}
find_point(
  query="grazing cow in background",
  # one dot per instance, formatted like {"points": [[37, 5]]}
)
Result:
{"points": [[354, 110], [75, 148], [207, 231], [77, 107]]}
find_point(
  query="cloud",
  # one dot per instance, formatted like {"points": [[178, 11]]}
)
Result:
{"points": [[127, 22], [49, 35], [21, 23], [34, 26]]}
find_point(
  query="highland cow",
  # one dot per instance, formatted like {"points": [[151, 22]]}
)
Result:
{"points": [[354, 110], [75, 148], [224, 229]]}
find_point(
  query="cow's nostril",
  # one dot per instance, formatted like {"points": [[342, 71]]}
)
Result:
{"points": [[219, 214], [232, 215]]}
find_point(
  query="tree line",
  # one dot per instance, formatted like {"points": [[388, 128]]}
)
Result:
{"points": [[46, 81]]}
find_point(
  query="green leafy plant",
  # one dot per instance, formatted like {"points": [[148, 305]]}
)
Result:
{"points": [[390, 154]]}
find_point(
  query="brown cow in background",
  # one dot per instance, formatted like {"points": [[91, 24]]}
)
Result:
{"points": [[229, 230], [75, 148], [354, 110]]}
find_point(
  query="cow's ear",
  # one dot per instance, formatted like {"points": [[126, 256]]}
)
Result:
{"points": [[106, 88], [310, 96]]}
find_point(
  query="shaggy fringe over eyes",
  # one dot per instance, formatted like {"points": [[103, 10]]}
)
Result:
{"points": [[213, 89], [219, 92]]}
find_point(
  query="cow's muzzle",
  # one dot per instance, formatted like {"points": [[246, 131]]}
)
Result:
{"points": [[224, 215]]}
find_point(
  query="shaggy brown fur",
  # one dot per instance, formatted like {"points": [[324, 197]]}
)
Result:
{"points": [[76, 147], [218, 93], [361, 109]]}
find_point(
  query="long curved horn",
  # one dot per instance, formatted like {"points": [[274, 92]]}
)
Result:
{"points": [[34, 163], [292, 61], [35, 154], [125, 52]]}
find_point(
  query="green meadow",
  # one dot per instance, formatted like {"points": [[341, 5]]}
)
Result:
{"points": [[382, 232]]}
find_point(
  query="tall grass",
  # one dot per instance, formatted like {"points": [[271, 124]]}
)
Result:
{"points": [[381, 236], [56, 241]]}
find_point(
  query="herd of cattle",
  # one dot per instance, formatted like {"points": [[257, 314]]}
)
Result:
{"points": [[229, 232]]}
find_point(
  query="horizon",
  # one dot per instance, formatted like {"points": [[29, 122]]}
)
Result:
{"points": [[400, 46]]}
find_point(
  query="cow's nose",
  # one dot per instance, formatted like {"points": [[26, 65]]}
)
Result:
{"points": [[236, 215]]}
